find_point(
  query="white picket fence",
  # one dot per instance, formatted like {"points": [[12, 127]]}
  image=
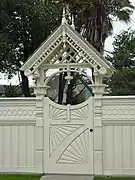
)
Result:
{"points": [[21, 131]]}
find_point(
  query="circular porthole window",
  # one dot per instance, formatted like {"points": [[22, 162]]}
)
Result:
{"points": [[72, 92]]}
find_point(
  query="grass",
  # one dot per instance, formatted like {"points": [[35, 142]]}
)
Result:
{"points": [[37, 177], [20, 177]]}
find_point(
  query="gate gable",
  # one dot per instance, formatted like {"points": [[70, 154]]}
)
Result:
{"points": [[65, 34]]}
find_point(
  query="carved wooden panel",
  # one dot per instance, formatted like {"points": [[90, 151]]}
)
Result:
{"points": [[20, 110], [67, 138], [118, 112], [80, 113], [17, 111], [57, 113], [77, 151], [58, 133]]}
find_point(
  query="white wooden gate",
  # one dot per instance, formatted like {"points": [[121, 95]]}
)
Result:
{"points": [[68, 138]]}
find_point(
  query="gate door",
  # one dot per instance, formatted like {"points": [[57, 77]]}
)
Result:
{"points": [[68, 138]]}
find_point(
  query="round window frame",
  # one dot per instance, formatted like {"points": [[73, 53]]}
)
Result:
{"points": [[62, 71], [49, 78]]}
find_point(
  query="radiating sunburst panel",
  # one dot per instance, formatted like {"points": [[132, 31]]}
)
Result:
{"points": [[57, 113], [58, 133], [80, 114], [77, 151]]}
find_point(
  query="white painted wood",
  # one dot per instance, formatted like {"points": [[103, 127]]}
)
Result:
{"points": [[108, 151], [64, 65], [14, 146], [98, 162], [63, 141], [40, 163], [132, 147], [120, 172], [68, 144], [1, 145], [22, 146], [75, 40], [17, 150], [118, 155], [24, 132], [97, 141], [39, 138], [30, 147], [17, 170], [126, 147], [119, 134], [66, 177], [17, 135], [6, 146]]}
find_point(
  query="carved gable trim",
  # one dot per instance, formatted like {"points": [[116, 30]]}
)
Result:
{"points": [[54, 43]]}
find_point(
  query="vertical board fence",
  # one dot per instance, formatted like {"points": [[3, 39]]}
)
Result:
{"points": [[114, 135], [17, 135], [118, 119]]}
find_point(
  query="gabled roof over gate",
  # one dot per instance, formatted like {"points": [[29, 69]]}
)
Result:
{"points": [[65, 34]]}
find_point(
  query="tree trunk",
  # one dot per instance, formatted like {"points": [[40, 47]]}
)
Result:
{"points": [[62, 82], [69, 99], [69, 94], [25, 84], [60, 94]]}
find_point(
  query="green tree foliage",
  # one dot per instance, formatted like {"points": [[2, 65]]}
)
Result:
{"points": [[12, 91], [24, 26], [93, 18], [123, 59]]}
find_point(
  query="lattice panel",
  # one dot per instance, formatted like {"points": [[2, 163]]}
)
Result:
{"points": [[68, 55], [88, 57], [58, 133], [50, 50], [77, 151]]}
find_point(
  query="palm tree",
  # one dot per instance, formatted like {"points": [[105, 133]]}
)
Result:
{"points": [[93, 19]]}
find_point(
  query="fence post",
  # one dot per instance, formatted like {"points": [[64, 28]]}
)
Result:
{"points": [[39, 137], [98, 91]]}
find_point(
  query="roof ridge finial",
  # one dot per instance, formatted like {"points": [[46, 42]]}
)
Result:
{"points": [[73, 22], [64, 16]]}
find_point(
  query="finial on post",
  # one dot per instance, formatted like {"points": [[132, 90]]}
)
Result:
{"points": [[64, 21], [73, 22], [64, 16]]}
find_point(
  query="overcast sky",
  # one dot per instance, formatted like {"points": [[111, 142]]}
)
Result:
{"points": [[118, 27]]}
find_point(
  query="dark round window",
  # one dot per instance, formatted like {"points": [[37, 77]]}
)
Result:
{"points": [[73, 93]]}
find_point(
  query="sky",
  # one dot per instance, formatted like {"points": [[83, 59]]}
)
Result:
{"points": [[118, 27]]}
